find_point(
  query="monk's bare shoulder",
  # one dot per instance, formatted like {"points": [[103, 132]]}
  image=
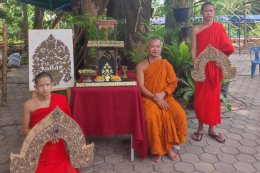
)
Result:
{"points": [[29, 105], [141, 66], [196, 29]]}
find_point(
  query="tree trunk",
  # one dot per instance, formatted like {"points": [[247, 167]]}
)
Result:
{"points": [[169, 20], [25, 25], [57, 19], [136, 14], [38, 18]]}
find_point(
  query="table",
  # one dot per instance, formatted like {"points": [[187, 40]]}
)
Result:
{"points": [[106, 111]]}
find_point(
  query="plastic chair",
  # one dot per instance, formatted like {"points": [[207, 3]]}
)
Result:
{"points": [[255, 60]]}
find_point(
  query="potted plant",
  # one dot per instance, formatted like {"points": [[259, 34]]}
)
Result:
{"points": [[181, 10]]}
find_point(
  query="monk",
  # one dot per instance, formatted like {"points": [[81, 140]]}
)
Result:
{"points": [[165, 119], [207, 93], [53, 158]]}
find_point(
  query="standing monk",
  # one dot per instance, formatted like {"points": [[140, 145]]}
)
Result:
{"points": [[207, 93], [165, 119]]}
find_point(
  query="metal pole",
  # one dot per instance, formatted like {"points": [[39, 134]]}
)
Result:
{"points": [[244, 23]]}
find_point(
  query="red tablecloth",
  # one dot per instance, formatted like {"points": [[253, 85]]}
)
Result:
{"points": [[106, 111]]}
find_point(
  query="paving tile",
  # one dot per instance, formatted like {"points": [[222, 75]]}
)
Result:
{"points": [[224, 167], [105, 150], [144, 167], [229, 150], [194, 149], [114, 158], [164, 167], [233, 136], [245, 167], [4, 168], [184, 167], [124, 167], [103, 168], [204, 167], [257, 156], [257, 166], [98, 158], [227, 158], [232, 143], [189, 157], [206, 157], [248, 142], [249, 136], [246, 150], [212, 149], [245, 158]]}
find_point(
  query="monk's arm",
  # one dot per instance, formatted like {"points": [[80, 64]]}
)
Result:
{"points": [[140, 79], [26, 118], [171, 79], [194, 44], [226, 46]]}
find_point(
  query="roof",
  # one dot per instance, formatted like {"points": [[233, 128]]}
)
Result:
{"points": [[49, 4], [233, 19]]}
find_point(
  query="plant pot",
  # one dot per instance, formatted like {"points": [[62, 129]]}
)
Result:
{"points": [[181, 14], [224, 89]]}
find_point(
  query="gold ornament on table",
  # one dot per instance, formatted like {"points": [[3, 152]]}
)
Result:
{"points": [[124, 69], [107, 71]]}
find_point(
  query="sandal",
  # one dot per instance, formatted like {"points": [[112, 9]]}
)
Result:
{"points": [[197, 136], [218, 137]]}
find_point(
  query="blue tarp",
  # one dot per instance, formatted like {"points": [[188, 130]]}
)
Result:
{"points": [[249, 19]]}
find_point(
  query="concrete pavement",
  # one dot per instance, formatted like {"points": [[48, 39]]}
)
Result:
{"points": [[241, 128]]}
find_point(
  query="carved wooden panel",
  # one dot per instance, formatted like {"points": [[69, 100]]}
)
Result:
{"points": [[55, 125], [51, 52], [212, 54]]}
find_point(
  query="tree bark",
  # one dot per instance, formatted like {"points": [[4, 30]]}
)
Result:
{"points": [[38, 18], [57, 19], [136, 13], [169, 20], [25, 25]]}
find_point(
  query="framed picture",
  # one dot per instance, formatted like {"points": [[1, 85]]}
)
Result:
{"points": [[51, 51]]}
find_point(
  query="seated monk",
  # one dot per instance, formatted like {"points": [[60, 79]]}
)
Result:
{"points": [[54, 158], [165, 119]]}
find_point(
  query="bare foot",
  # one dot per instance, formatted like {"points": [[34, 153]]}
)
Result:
{"points": [[172, 155], [156, 158]]}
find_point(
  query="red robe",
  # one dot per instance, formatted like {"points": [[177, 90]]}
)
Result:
{"points": [[53, 158], [207, 93]]}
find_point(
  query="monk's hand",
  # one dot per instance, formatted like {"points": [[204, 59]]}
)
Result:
{"points": [[163, 104], [55, 141], [159, 96]]}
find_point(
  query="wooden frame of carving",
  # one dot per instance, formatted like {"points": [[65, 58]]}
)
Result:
{"points": [[55, 125], [212, 54]]}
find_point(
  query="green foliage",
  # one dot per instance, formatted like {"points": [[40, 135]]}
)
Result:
{"points": [[180, 57], [11, 13], [225, 101], [186, 91]]}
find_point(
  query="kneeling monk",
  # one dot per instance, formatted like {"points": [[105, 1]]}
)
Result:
{"points": [[165, 119]]}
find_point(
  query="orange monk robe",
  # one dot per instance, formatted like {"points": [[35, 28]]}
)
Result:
{"points": [[165, 128], [54, 158], [207, 93]]}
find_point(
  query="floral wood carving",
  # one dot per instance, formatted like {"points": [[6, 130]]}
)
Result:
{"points": [[212, 54], [52, 56], [55, 125]]}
